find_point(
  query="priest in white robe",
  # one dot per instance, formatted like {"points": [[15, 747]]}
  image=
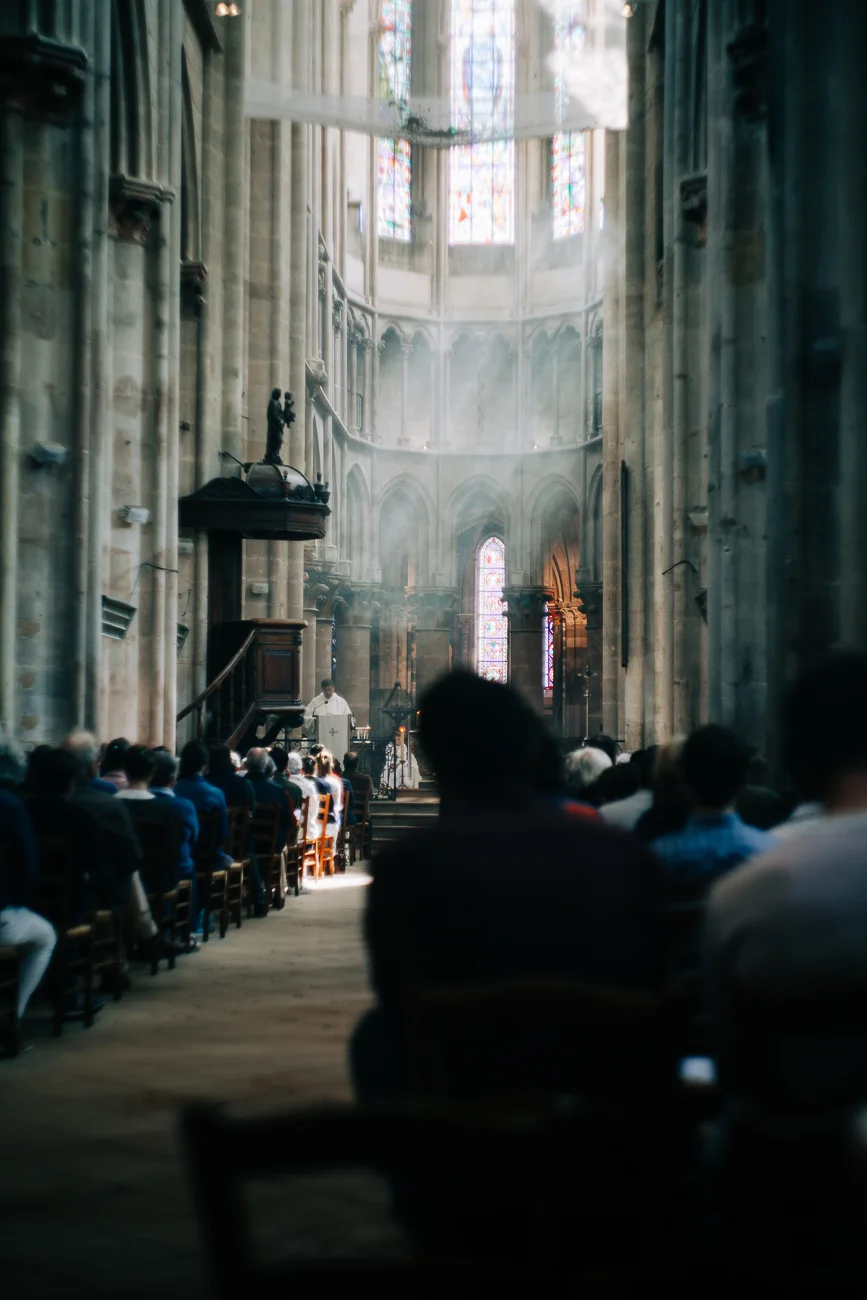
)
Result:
{"points": [[326, 704]]}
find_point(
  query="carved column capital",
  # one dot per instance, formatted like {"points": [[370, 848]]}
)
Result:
{"points": [[133, 206], [431, 607], [194, 278], [41, 78], [323, 591], [358, 604], [525, 607]]}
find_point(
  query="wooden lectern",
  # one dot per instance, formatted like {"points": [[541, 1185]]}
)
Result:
{"points": [[332, 731]]}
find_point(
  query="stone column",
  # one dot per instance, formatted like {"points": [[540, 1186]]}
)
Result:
{"points": [[590, 594], [525, 610], [309, 686], [406, 353], [322, 592], [354, 621], [352, 384], [431, 611]]}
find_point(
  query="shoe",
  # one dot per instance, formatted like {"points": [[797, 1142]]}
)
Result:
{"points": [[192, 945], [75, 1011], [6, 1053], [260, 912]]}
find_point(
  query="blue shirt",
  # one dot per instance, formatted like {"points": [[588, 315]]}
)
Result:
{"points": [[205, 797], [187, 809], [709, 846], [107, 787]]}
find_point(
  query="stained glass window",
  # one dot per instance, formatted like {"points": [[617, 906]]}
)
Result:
{"points": [[482, 175], [548, 661], [568, 148], [492, 635], [394, 157]]}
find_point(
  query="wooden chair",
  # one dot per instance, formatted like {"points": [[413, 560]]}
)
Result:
{"points": [[160, 846], [10, 978], [212, 880], [265, 838], [439, 1144], [296, 853], [324, 842], [239, 851], [109, 953], [359, 834], [306, 843], [73, 954]]}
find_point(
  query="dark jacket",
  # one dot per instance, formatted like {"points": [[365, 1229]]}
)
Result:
{"points": [[237, 790], [583, 901], [294, 791], [56, 815], [269, 793], [120, 855], [18, 863]]}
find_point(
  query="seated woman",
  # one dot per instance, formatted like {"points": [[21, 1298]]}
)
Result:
{"points": [[325, 772]]}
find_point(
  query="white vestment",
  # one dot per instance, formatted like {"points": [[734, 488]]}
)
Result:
{"points": [[319, 706], [408, 775]]}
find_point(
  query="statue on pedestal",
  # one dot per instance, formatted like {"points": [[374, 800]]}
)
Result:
{"points": [[276, 424]]}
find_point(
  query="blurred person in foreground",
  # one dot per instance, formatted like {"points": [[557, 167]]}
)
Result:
{"points": [[18, 880], [583, 768], [785, 942], [715, 763], [529, 891], [626, 810], [672, 798]]}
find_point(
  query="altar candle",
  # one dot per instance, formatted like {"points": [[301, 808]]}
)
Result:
{"points": [[401, 743]]}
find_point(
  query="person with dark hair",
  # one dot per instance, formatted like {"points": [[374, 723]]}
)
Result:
{"points": [[236, 789], [672, 797], [162, 783], [51, 778], [191, 784], [269, 792], [111, 768], [785, 935], [282, 777], [537, 893], [715, 763], [361, 782], [631, 803]]}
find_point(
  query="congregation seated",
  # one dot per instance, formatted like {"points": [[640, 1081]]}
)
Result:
{"points": [[631, 803], [361, 782], [268, 793], [162, 783], [581, 901], [333, 785], [223, 773], [311, 789], [112, 772], [192, 784], [51, 778], [146, 806], [19, 924], [714, 840], [286, 764], [348, 794], [672, 800]]}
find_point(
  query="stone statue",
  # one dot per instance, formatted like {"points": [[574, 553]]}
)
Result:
{"points": [[288, 410], [276, 422]]}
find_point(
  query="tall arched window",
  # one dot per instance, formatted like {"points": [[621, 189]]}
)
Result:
{"points": [[548, 658], [568, 148], [492, 633], [482, 175], [394, 168]]}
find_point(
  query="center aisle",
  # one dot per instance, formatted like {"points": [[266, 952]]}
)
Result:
{"points": [[94, 1196]]}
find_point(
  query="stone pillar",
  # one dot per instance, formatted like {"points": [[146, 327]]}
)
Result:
{"points": [[431, 611], [322, 593], [590, 594], [309, 686], [525, 610], [406, 353], [354, 620]]}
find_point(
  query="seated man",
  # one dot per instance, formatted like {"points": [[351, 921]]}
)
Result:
{"points": [[162, 783], [361, 782], [50, 782], [207, 797], [120, 882], [268, 793], [282, 775], [715, 763], [237, 790], [348, 794], [580, 901], [18, 878]]}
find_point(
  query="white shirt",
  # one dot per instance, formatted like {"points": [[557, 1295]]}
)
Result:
{"points": [[134, 794], [319, 706], [308, 790], [626, 812]]}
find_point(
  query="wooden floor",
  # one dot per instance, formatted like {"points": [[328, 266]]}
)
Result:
{"points": [[94, 1198]]}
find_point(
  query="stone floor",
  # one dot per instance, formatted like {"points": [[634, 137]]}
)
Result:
{"points": [[94, 1196]]}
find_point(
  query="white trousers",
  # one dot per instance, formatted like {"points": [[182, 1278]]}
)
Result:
{"points": [[18, 925]]}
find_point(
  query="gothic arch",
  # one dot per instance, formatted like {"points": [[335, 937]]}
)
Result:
{"points": [[405, 512], [131, 145], [554, 518], [481, 502], [358, 522], [593, 535]]}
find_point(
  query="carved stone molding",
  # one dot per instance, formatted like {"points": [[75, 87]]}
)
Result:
{"points": [[323, 591], [525, 607], [359, 605], [41, 78], [749, 56], [589, 596], [194, 278], [431, 607], [133, 206], [317, 376]]}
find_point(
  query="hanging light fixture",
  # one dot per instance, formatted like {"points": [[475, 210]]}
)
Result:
{"points": [[227, 10]]}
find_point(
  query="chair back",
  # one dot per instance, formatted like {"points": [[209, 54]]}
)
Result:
{"points": [[322, 817], [160, 844], [56, 890], [538, 1035], [239, 833], [209, 842], [302, 815]]}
